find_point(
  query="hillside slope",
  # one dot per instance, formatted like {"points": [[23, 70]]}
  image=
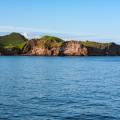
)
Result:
{"points": [[16, 44], [53, 46], [12, 43]]}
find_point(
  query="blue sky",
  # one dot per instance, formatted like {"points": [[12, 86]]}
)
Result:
{"points": [[81, 17]]}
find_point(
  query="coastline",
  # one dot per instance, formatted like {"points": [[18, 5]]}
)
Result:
{"points": [[15, 44]]}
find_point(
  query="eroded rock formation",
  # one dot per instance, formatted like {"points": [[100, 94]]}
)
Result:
{"points": [[72, 48], [16, 44]]}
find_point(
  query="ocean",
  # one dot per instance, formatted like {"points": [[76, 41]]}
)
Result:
{"points": [[59, 88]]}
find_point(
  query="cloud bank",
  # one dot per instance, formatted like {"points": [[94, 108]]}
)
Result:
{"points": [[81, 36]]}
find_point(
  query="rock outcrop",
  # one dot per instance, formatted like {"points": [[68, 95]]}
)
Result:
{"points": [[33, 47], [16, 44], [69, 48], [110, 49], [73, 48]]}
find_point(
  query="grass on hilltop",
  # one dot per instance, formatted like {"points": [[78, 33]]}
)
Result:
{"points": [[49, 42], [12, 40], [94, 44]]}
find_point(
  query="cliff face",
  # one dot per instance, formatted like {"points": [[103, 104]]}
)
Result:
{"points": [[16, 44], [69, 48], [33, 47], [72, 48], [110, 49]]}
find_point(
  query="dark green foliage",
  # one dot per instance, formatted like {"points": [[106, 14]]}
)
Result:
{"points": [[49, 42], [13, 40], [15, 44], [51, 38], [95, 44]]}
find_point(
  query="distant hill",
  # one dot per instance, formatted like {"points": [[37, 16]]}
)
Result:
{"points": [[67, 36], [12, 40], [17, 44]]}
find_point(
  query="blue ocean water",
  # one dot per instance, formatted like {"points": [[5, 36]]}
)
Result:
{"points": [[59, 88]]}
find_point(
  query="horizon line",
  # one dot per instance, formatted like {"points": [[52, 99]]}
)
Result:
{"points": [[28, 30]]}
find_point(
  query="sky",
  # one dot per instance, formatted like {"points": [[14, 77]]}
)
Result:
{"points": [[96, 18]]}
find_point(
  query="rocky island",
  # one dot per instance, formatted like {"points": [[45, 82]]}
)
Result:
{"points": [[17, 44]]}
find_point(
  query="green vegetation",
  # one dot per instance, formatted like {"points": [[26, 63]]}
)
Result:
{"points": [[49, 42], [95, 44], [13, 40], [15, 43]]}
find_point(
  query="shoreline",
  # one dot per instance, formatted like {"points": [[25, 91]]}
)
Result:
{"points": [[16, 44]]}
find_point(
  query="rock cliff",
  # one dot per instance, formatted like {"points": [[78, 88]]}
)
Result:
{"points": [[71, 48], [16, 44]]}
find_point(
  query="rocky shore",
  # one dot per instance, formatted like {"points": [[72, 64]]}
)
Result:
{"points": [[16, 44]]}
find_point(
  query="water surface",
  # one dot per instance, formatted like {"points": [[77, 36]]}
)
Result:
{"points": [[59, 88]]}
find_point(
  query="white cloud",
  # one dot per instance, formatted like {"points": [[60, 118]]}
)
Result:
{"points": [[25, 34], [28, 29], [82, 36]]}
